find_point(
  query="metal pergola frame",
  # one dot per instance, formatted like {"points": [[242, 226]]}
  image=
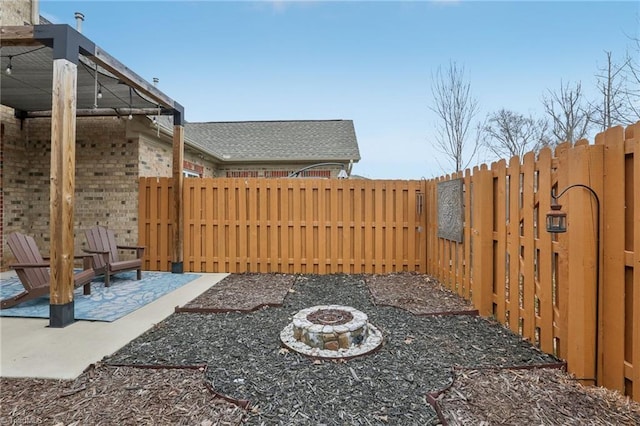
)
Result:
{"points": [[59, 74]]}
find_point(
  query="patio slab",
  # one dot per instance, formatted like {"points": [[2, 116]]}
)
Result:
{"points": [[29, 348]]}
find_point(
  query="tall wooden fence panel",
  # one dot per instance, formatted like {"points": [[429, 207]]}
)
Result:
{"points": [[574, 294], [317, 226]]}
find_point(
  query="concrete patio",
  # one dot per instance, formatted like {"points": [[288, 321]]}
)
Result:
{"points": [[29, 348]]}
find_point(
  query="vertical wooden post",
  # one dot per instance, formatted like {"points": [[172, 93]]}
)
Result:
{"points": [[482, 286], [63, 143], [500, 243], [613, 266], [546, 257], [585, 168], [177, 230], [513, 244]]}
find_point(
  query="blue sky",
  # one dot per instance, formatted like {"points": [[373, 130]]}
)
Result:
{"points": [[370, 62]]}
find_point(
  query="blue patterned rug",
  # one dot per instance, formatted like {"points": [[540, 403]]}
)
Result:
{"points": [[125, 295]]}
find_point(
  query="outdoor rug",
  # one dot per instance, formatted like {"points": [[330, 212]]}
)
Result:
{"points": [[125, 295]]}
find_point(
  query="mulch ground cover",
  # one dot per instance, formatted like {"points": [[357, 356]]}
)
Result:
{"points": [[432, 369]]}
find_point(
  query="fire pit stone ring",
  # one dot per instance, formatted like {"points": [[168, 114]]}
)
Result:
{"points": [[331, 331]]}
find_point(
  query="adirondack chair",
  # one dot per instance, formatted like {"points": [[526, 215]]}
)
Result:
{"points": [[33, 271], [106, 261]]}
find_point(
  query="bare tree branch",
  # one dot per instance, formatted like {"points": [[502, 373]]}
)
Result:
{"points": [[507, 134], [632, 81], [614, 107], [455, 108], [570, 114]]}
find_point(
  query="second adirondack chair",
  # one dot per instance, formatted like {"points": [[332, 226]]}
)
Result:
{"points": [[102, 245]]}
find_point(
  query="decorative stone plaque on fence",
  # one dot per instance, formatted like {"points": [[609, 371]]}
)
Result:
{"points": [[450, 210]]}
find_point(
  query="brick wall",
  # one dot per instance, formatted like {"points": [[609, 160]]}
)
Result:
{"points": [[106, 178], [156, 156]]}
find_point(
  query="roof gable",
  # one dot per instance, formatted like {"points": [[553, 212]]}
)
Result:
{"points": [[276, 140]]}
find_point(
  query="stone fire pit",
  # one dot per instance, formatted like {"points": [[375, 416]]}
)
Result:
{"points": [[331, 331]]}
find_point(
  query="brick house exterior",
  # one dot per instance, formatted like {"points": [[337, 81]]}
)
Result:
{"points": [[113, 152]]}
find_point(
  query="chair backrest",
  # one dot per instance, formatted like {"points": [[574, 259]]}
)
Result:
{"points": [[102, 239], [25, 250]]}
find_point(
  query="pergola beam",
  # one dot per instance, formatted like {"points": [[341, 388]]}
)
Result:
{"points": [[129, 77], [18, 36], [102, 112]]}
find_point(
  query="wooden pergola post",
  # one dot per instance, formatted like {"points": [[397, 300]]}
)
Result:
{"points": [[177, 266], [63, 162]]}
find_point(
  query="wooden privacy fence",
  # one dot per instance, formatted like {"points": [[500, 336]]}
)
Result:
{"points": [[318, 226], [576, 294], [546, 286]]}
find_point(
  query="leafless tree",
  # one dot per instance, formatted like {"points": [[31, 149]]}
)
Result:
{"points": [[455, 108], [507, 133], [632, 80], [570, 113], [614, 107]]}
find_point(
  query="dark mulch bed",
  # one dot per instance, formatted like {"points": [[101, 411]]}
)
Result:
{"points": [[534, 397], [246, 361], [116, 396], [417, 293], [243, 293], [452, 361]]}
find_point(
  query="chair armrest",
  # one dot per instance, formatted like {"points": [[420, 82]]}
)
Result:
{"points": [[76, 257], [95, 251], [29, 265]]}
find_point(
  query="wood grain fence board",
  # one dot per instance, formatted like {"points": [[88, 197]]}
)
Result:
{"points": [[188, 200], [467, 234], [244, 236], [482, 284], [285, 229], [613, 203], [349, 238], [545, 257], [378, 229], [335, 226], [310, 228], [388, 227], [321, 234], [562, 270], [297, 229], [397, 257], [357, 253], [234, 227], [500, 242], [528, 257], [260, 213], [633, 139], [513, 245], [585, 167], [431, 230]]}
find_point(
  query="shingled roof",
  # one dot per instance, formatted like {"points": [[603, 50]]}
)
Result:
{"points": [[298, 140]]}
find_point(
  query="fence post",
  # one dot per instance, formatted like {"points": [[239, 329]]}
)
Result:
{"points": [[482, 234], [585, 168], [613, 263]]}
